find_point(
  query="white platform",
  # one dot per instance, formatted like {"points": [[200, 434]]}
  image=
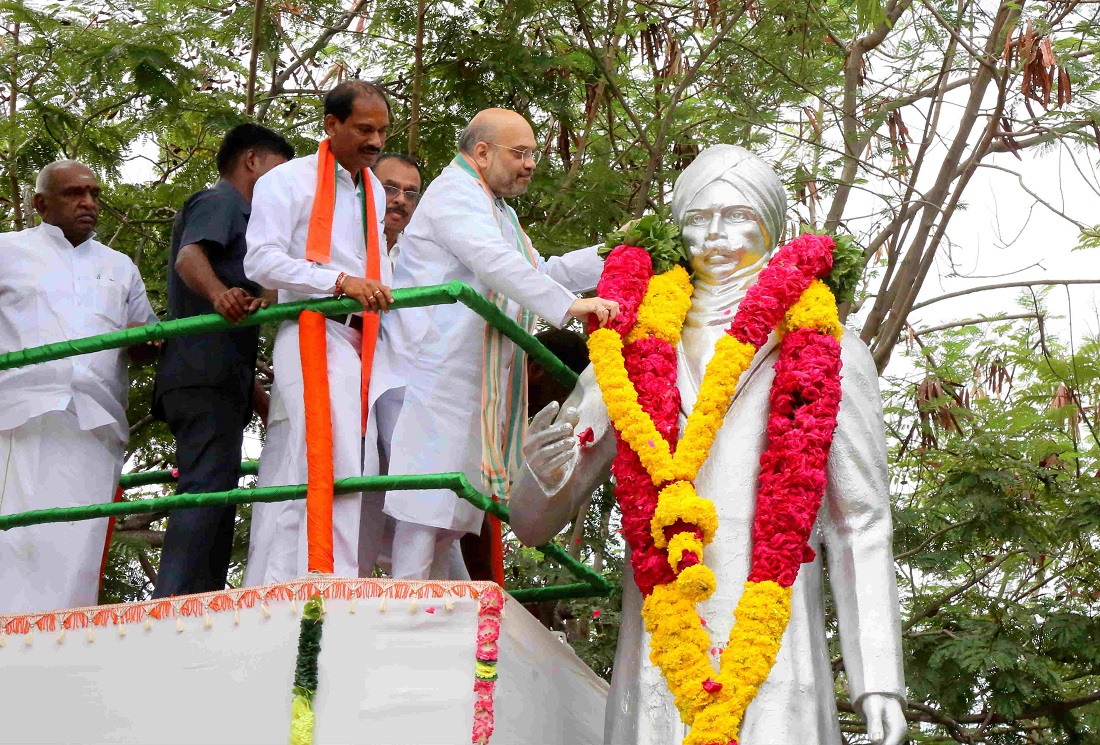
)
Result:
{"points": [[218, 668]]}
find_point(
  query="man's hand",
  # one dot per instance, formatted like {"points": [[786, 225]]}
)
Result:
{"points": [[145, 351], [605, 310], [374, 295], [885, 719], [261, 401], [234, 304], [550, 448]]}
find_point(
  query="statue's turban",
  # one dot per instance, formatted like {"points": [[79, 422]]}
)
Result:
{"points": [[747, 173]]}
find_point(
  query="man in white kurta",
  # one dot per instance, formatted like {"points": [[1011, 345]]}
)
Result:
{"points": [[400, 177], [461, 232], [730, 206], [356, 118], [63, 424]]}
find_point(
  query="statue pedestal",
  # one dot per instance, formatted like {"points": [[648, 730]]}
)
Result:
{"points": [[219, 667]]}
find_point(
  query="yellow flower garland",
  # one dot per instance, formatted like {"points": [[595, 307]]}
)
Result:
{"points": [[816, 310], [634, 424], [678, 644], [664, 307]]}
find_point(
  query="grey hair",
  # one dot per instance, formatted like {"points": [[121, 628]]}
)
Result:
{"points": [[45, 176], [474, 133]]}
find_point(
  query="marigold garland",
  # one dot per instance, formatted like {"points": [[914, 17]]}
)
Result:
{"points": [[666, 302], [665, 522]]}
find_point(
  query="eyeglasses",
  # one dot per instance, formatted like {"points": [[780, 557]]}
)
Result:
{"points": [[393, 191], [526, 154]]}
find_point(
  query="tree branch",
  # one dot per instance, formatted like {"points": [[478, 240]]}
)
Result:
{"points": [[254, 57], [1005, 285], [307, 56], [975, 321]]}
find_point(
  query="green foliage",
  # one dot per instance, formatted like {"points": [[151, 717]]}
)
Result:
{"points": [[995, 523], [847, 268], [658, 236]]}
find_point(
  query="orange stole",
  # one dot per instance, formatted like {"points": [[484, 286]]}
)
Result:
{"points": [[313, 349]]}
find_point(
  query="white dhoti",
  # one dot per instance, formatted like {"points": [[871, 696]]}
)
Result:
{"points": [[428, 553], [277, 549], [50, 462]]}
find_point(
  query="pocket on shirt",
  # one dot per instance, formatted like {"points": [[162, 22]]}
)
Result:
{"points": [[110, 300]]}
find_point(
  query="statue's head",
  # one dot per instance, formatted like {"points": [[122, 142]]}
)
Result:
{"points": [[730, 207]]}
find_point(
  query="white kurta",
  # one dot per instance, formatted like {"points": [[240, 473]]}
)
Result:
{"points": [[797, 703], [277, 234], [436, 351], [63, 424]]}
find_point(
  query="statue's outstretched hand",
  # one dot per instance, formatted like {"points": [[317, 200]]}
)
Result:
{"points": [[551, 449], [885, 719]]}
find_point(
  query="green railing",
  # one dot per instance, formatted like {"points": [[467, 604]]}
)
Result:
{"points": [[592, 584], [414, 297], [148, 478]]}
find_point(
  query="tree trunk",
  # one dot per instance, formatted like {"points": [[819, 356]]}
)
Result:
{"points": [[417, 81], [13, 144], [254, 57]]}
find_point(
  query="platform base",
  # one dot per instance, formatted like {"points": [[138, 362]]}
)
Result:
{"points": [[396, 667]]}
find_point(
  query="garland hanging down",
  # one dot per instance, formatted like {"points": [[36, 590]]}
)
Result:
{"points": [[305, 672], [489, 609], [665, 522]]}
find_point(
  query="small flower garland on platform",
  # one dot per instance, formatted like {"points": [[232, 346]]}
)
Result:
{"points": [[305, 672], [665, 522], [490, 607]]}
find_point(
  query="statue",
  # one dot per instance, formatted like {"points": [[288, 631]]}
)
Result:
{"points": [[730, 207]]}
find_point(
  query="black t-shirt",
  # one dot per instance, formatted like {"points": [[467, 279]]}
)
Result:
{"points": [[216, 219]]}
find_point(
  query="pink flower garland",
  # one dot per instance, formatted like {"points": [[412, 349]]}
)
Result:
{"points": [[805, 401], [780, 285], [490, 607]]}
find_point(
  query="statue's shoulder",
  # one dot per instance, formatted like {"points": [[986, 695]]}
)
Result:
{"points": [[858, 371], [853, 350]]}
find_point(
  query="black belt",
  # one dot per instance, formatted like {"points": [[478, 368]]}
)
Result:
{"points": [[353, 320]]}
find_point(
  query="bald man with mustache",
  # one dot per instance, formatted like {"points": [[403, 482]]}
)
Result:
{"points": [[454, 389], [63, 426]]}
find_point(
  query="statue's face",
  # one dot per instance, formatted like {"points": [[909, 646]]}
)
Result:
{"points": [[723, 233]]}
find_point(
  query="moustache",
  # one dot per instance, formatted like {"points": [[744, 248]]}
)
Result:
{"points": [[719, 247]]}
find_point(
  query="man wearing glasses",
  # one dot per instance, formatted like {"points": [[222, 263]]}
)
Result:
{"points": [[400, 177], [464, 404]]}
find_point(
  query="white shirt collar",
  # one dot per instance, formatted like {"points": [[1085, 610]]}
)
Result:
{"points": [[57, 234]]}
